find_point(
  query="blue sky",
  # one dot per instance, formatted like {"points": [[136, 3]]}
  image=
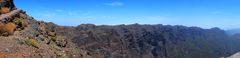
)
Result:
{"points": [[224, 14]]}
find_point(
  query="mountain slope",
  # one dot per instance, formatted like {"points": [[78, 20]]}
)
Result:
{"points": [[154, 41], [24, 37]]}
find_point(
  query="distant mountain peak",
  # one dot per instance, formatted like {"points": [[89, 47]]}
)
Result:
{"points": [[233, 31]]}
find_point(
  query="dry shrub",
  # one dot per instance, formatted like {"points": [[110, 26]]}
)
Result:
{"points": [[5, 10], [20, 56], [62, 55], [95, 55], [7, 29], [22, 23], [1, 1], [1, 55], [10, 27], [25, 23], [32, 42], [42, 27], [2, 29]]}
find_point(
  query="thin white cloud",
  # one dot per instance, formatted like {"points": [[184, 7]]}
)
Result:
{"points": [[148, 19], [71, 13], [215, 12], [114, 4], [59, 10], [49, 15]]}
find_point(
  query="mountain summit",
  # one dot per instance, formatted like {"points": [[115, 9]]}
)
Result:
{"points": [[21, 36]]}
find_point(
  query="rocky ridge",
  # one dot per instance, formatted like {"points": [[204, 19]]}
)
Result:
{"points": [[24, 37]]}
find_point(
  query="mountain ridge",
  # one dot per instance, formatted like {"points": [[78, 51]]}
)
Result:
{"points": [[39, 39], [233, 31]]}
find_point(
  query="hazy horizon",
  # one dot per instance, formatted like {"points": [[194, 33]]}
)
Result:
{"points": [[205, 13]]}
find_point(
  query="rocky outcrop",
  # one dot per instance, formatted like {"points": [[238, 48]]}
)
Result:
{"points": [[10, 21], [6, 6], [10, 15]]}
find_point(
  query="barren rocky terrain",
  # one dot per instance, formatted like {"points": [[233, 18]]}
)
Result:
{"points": [[24, 37]]}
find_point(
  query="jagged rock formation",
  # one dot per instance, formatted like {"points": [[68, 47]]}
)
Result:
{"points": [[6, 6], [23, 37], [10, 15], [37, 39]]}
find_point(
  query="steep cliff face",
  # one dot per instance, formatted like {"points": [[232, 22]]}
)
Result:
{"points": [[23, 37]]}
